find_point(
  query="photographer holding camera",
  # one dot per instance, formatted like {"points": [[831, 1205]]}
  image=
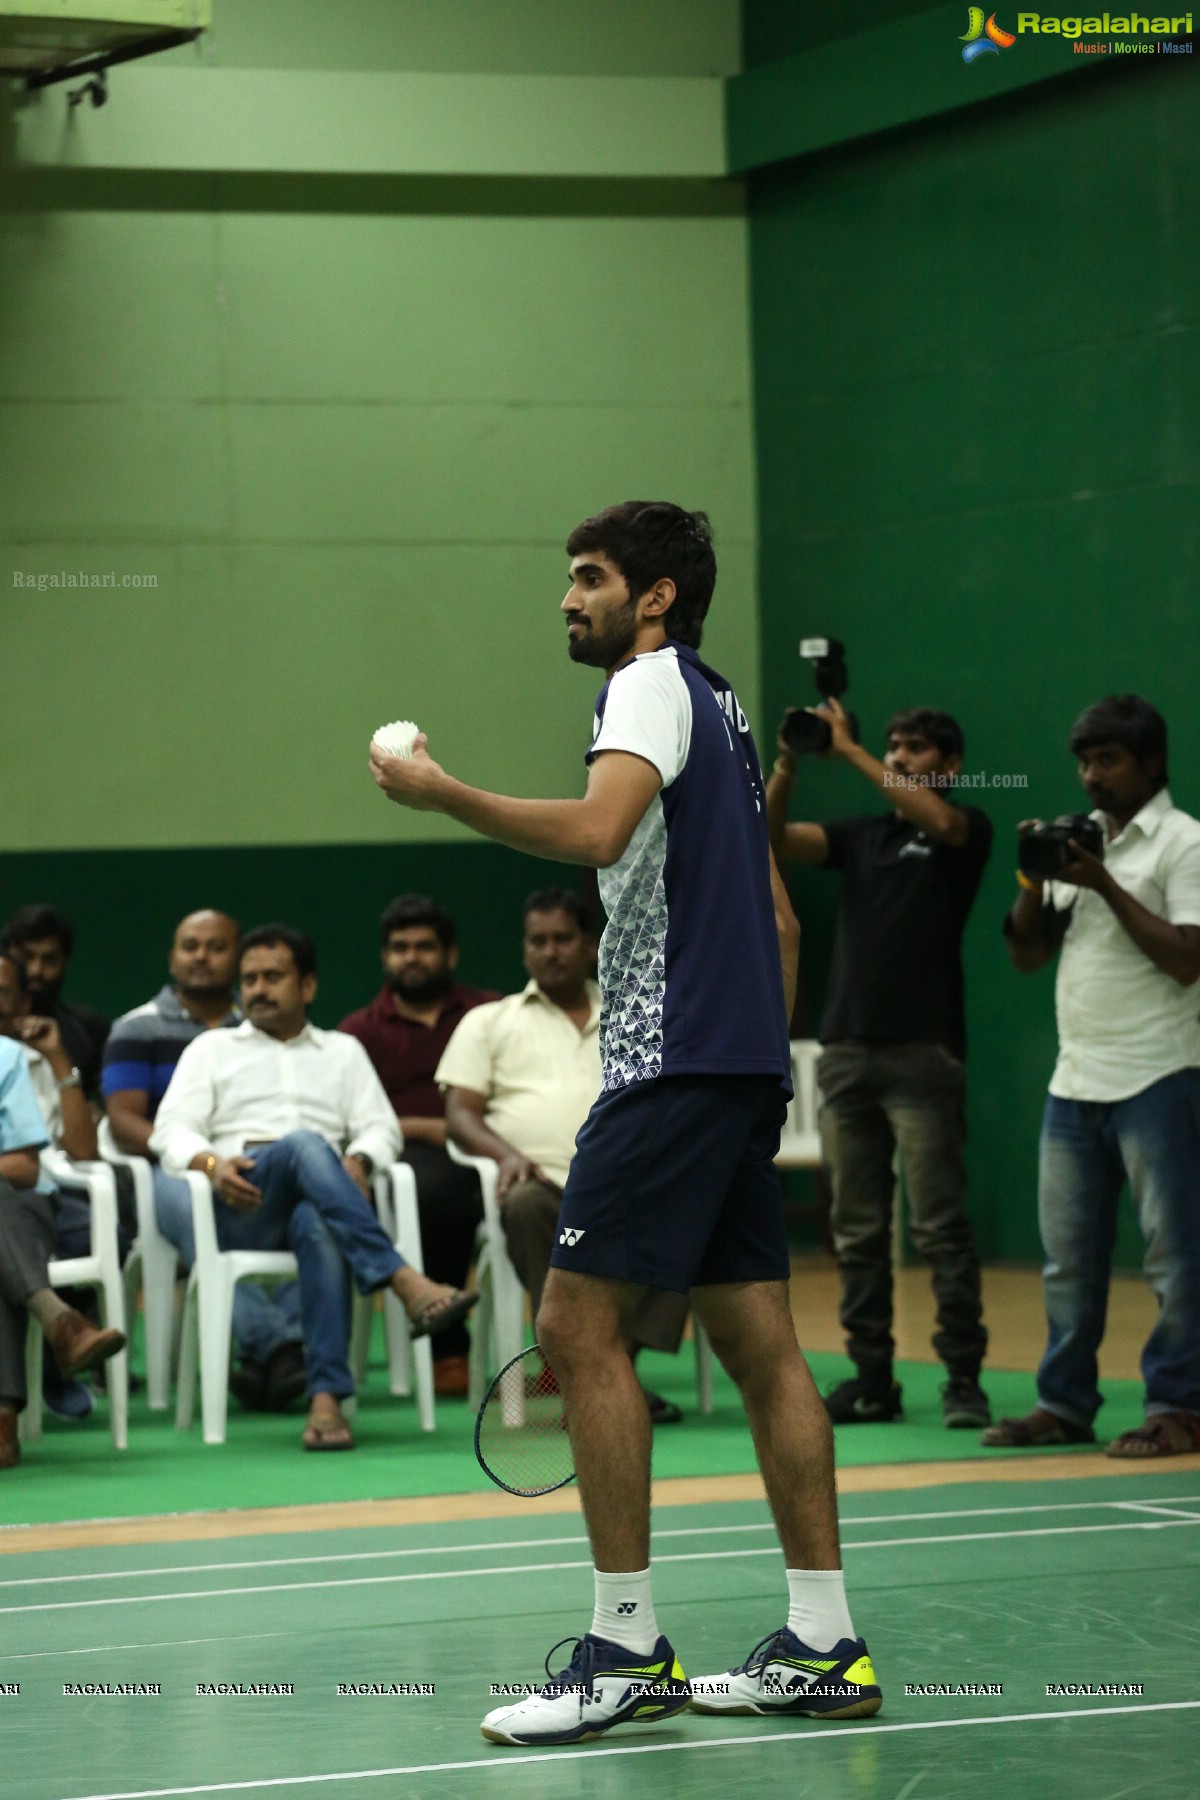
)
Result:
{"points": [[1123, 906], [894, 1036]]}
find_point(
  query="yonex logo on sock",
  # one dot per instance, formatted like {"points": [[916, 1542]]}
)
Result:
{"points": [[570, 1235], [627, 1606]]}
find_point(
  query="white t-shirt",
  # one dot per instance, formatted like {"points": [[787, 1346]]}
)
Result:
{"points": [[1122, 1023]]}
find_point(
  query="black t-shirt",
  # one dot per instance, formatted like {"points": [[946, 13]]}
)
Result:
{"points": [[897, 973]]}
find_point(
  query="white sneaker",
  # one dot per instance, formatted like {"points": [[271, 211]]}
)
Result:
{"points": [[603, 1685], [782, 1675]]}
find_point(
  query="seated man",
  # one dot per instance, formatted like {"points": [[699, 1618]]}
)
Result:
{"points": [[520, 1076], [404, 1031], [139, 1060], [71, 1127], [44, 938], [57, 1085], [27, 1242], [263, 1111]]}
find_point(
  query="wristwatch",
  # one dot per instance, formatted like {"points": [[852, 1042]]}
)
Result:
{"points": [[74, 1079]]}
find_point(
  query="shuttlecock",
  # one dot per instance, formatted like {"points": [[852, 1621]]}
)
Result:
{"points": [[398, 738]]}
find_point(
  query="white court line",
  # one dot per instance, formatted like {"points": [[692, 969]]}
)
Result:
{"points": [[298, 1587], [291, 1562], [1153, 1506], [240, 1637], [683, 1531], [798, 1739]]}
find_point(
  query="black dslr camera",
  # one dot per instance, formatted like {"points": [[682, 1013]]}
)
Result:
{"points": [[806, 733], [1044, 851]]}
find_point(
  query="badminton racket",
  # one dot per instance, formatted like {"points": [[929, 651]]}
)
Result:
{"points": [[521, 1437]]}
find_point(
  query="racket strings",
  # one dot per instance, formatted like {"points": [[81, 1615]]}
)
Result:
{"points": [[521, 1436]]}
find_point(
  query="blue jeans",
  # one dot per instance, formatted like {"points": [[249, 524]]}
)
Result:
{"points": [[1088, 1150], [311, 1207], [262, 1320]]}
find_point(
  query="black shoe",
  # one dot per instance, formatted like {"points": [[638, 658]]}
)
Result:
{"points": [[248, 1385], [859, 1402], [284, 1377], [965, 1406], [662, 1410]]}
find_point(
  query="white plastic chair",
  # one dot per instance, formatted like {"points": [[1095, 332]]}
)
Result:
{"points": [[100, 1269], [208, 1308], [499, 1325], [410, 1360], [155, 1257], [800, 1139]]}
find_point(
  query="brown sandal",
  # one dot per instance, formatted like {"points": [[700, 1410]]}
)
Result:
{"points": [[1036, 1429], [1165, 1434]]}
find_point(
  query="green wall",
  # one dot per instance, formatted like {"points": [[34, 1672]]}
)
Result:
{"points": [[345, 423], [349, 451], [779, 28], [977, 403]]}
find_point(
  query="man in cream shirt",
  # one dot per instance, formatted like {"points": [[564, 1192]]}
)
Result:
{"points": [[1124, 1101], [264, 1110], [520, 1077]]}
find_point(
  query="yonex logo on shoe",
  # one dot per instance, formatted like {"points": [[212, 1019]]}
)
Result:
{"points": [[570, 1235]]}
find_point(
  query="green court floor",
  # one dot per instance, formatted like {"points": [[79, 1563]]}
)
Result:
{"points": [[74, 1473], [1022, 1585]]}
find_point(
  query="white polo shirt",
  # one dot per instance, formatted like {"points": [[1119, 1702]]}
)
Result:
{"points": [[1122, 1023], [538, 1072]]}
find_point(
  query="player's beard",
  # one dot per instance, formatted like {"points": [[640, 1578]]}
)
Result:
{"points": [[604, 649]]}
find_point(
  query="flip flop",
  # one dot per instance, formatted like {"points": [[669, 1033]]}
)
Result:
{"points": [[327, 1434], [1165, 1434], [1018, 1434], [439, 1315]]}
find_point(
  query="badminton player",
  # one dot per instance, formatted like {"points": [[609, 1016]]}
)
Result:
{"points": [[673, 1184]]}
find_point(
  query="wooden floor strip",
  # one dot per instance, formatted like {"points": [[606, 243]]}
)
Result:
{"points": [[445, 1509]]}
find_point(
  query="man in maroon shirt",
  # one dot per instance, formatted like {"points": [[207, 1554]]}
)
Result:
{"points": [[404, 1031]]}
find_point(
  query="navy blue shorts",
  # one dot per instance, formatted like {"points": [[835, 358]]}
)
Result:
{"points": [[674, 1186]]}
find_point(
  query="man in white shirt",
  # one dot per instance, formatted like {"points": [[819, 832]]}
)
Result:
{"points": [[520, 1076], [140, 1055], [264, 1110], [1124, 1101]]}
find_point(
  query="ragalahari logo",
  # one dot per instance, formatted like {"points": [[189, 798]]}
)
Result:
{"points": [[982, 39]]}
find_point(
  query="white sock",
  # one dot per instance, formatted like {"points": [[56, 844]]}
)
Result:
{"points": [[817, 1610], [625, 1611]]}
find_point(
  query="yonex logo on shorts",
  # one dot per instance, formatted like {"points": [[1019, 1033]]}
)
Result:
{"points": [[570, 1236]]}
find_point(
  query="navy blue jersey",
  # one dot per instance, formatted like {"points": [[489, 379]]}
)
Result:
{"points": [[689, 961]]}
